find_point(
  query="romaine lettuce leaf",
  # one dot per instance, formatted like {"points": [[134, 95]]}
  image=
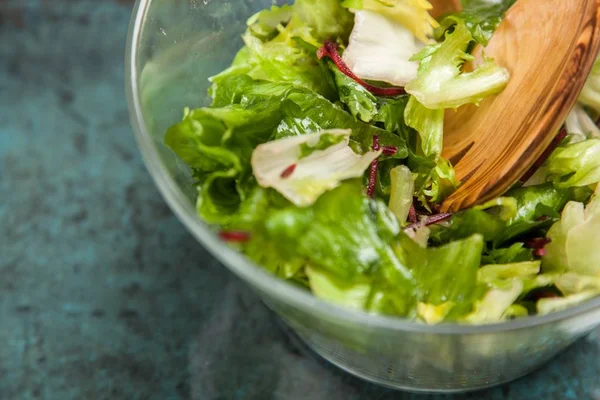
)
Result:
{"points": [[440, 81], [360, 102], [349, 294], [537, 208], [345, 235], [489, 220], [308, 112], [217, 144], [523, 210], [446, 274], [391, 114]]}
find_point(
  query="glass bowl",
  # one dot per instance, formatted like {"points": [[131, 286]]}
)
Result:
{"points": [[174, 46]]}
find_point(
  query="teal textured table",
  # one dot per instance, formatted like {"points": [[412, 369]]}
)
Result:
{"points": [[103, 294]]}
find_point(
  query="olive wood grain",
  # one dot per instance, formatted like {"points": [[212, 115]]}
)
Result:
{"points": [[549, 47]]}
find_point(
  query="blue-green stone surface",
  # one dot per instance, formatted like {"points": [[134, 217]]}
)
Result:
{"points": [[103, 293]]}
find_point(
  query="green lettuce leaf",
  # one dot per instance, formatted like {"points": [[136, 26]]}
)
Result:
{"points": [[401, 194], [517, 252], [435, 178], [489, 220], [349, 294], [493, 307], [391, 114], [360, 102], [275, 44], [345, 235], [574, 246], [481, 18], [538, 207], [522, 211], [441, 182], [327, 19], [590, 95], [429, 123], [308, 112], [491, 273], [446, 274], [576, 164], [442, 84], [217, 142], [265, 24]]}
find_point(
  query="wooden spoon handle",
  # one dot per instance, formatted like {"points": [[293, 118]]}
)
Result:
{"points": [[549, 47]]}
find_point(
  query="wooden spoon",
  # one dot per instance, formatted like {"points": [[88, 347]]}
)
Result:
{"points": [[549, 47], [442, 7]]}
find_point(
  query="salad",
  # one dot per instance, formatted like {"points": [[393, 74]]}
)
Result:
{"points": [[321, 159]]}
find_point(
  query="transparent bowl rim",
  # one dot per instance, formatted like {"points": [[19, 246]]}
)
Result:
{"points": [[257, 276]]}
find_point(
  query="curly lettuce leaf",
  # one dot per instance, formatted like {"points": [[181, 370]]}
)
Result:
{"points": [[481, 18], [441, 183], [266, 24], [440, 81], [275, 47]]}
